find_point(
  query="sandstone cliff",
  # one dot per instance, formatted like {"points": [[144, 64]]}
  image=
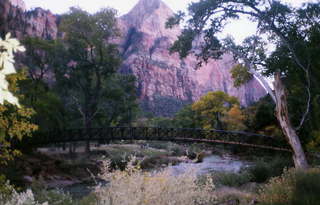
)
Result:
{"points": [[15, 19], [165, 82]]}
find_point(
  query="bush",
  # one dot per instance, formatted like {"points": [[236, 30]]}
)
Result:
{"points": [[294, 187], [232, 179], [262, 171], [6, 189], [53, 197], [133, 187], [37, 196], [23, 198]]}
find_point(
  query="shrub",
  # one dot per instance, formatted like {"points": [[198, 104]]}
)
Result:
{"points": [[294, 187], [6, 189], [232, 179], [23, 198], [133, 187], [37, 196], [53, 197], [262, 171]]}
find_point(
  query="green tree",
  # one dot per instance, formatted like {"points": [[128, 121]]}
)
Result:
{"points": [[39, 59], [186, 118], [286, 27], [87, 66], [120, 105], [211, 108]]}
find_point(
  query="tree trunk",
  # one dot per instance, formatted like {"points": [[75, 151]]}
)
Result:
{"points": [[299, 157], [87, 126]]}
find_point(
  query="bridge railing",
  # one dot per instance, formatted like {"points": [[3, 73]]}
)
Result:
{"points": [[151, 133]]}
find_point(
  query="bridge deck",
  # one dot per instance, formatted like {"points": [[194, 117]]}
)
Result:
{"points": [[156, 133]]}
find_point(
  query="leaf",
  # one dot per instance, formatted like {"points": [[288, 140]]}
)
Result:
{"points": [[8, 36]]}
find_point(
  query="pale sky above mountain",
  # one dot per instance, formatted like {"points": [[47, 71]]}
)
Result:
{"points": [[239, 29], [123, 6]]}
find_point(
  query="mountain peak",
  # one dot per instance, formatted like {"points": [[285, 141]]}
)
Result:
{"points": [[148, 15], [148, 6]]}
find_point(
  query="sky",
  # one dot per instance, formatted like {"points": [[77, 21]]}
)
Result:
{"points": [[123, 6], [239, 30]]}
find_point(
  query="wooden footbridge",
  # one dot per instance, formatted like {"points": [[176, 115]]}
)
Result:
{"points": [[187, 135]]}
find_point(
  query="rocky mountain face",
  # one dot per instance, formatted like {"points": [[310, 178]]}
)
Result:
{"points": [[165, 82], [37, 23]]}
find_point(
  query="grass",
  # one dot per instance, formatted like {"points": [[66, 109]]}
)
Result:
{"points": [[135, 187], [262, 171], [293, 187], [231, 179]]}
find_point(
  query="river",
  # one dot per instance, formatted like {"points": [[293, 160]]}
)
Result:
{"points": [[209, 164]]}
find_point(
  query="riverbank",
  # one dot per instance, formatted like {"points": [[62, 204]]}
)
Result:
{"points": [[79, 174]]}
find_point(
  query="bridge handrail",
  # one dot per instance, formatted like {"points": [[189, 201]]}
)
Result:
{"points": [[170, 128]]}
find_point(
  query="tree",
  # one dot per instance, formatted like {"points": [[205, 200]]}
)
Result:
{"points": [[234, 119], [273, 18], [38, 94], [88, 62], [14, 118], [120, 105], [211, 108], [186, 118]]}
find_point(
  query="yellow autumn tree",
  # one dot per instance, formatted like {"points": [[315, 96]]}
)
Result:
{"points": [[212, 107], [14, 118], [234, 119]]}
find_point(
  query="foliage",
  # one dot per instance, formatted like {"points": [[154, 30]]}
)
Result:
{"points": [[134, 186], [295, 33], [14, 118], [304, 31], [49, 110], [260, 118], [52, 197], [6, 189], [231, 179], [7, 47], [40, 57], [164, 106], [120, 107], [240, 75], [186, 118], [160, 122], [38, 88], [86, 69], [212, 107], [294, 187], [35, 196], [261, 171], [234, 119], [216, 110], [14, 125], [23, 198]]}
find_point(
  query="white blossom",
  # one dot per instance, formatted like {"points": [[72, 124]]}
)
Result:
{"points": [[8, 47]]}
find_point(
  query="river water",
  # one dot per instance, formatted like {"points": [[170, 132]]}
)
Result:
{"points": [[210, 164]]}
